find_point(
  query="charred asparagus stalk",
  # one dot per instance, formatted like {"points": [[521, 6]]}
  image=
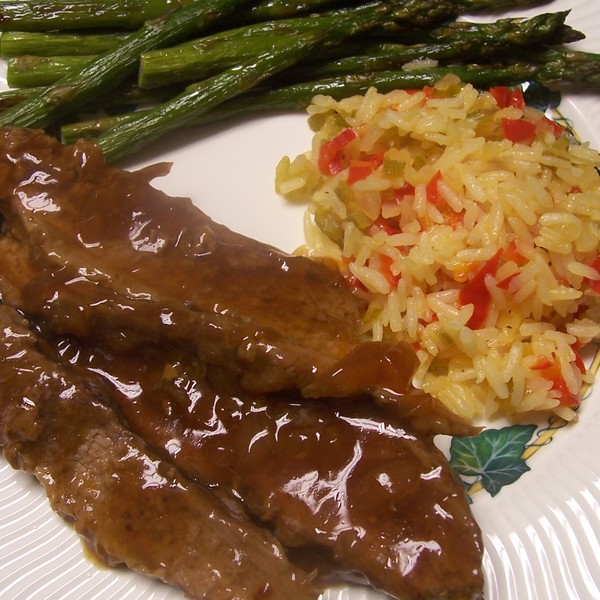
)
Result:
{"points": [[195, 60], [43, 43], [122, 97], [112, 68], [40, 71], [198, 99], [201, 58], [561, 65], [65, 15]]}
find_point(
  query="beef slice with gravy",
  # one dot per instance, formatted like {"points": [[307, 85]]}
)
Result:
{"points": [[239, 355], [336, 475], [131, 506], [113, 258], [99, 253]]}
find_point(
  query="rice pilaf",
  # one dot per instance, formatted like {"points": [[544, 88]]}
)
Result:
{"points": [[473, 222]]}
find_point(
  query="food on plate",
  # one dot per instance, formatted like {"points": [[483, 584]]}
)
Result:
{"points": [[141, 363], [115, 67], [157, 268], [164, 365], [472, 221], [247, 62], [38, 59], [131, 506]]}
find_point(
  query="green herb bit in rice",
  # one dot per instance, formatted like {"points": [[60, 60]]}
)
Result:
{"points": [[473, 221]]}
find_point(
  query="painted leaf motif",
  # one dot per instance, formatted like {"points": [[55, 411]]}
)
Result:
{"points": [[541, 97], [495, 455]]}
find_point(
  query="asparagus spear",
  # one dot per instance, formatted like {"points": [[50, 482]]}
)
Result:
{"points": [[495, 5], [122, 140], [217, 51], [564, 58], [552, 66], [42, 43], [561, 66], [93, 128], [202, 57], [198, 99], [122, 97], [66, 15], [54, 43], [235, 45], [39, 59], [57, 43], [195, 60], [551, 27], [38, 71], [111, 68], [280, 9]]}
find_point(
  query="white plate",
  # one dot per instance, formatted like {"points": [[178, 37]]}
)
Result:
{"points": [[541, 533]]}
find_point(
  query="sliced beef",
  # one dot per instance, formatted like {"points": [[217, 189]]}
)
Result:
{"points": [[236, 363], [333, 474], [99, 253], [113, 258], [130, 505]]}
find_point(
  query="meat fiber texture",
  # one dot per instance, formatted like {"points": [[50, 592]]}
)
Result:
{"points": [[119, 259], [224, 338], [131, 506]]}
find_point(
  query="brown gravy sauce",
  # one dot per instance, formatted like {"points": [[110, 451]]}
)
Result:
{"points": [[112, 278], [335, 474]]}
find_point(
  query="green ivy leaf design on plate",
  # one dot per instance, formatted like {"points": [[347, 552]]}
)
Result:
{"points": [[493, 456], [541, 97]]}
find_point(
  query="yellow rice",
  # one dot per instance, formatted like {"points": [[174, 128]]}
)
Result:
{"points": [[540, 198]]}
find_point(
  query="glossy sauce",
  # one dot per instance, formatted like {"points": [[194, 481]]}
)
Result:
{"points": [[117, 260], [335, 474], [207, 340], [130, 505]]}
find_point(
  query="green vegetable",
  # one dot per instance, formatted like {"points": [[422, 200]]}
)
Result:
{"points": [[197, 59], [66, 15], [124, 96], [549, 27], [475, 42], [495, 5], [201, 58], [565, 66], [38, 71], [280, 9], [198, 99], [112, 68], [258, 55], [33, 43]]}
